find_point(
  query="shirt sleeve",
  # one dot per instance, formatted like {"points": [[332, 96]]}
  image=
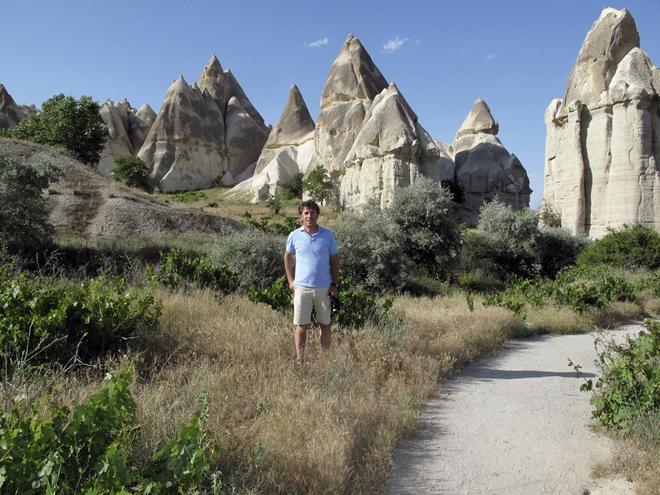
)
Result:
{"points": [[290, 245]]}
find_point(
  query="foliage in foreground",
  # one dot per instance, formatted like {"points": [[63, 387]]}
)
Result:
{"points": [[178, 269], [43, 320], [51, 449], [24, 227], [630, 384], [64, 121]]}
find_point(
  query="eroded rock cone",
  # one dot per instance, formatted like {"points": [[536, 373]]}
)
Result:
{"points": [[185, 146], [391, 150], [294, 127], [602, 151], [288, 151], [484, 167], [353, 82], [10, 112]]}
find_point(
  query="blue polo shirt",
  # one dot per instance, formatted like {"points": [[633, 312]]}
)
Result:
{"points": [[312, 253]]}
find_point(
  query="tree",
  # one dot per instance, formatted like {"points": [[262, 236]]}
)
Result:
{"points": [[318, 184], [132, 171], [65, 121], [24, 227]]}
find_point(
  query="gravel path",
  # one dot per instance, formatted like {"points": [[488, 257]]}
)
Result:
{"points": [[512, 423]]}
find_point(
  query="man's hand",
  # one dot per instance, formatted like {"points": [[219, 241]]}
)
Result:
{"points": [[290, 284]]}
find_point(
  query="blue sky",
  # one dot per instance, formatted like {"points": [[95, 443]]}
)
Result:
{"points": [[442, 55]]}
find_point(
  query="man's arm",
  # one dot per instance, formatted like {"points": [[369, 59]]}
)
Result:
{"points": [[334, 273], [288, 268]]}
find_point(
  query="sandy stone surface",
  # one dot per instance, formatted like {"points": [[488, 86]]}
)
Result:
{"points": [[512, 423]]}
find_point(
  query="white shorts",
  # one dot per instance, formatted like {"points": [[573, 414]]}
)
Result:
{"points": [[306, 298]]}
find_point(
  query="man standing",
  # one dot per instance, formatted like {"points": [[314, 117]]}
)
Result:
{"points": [[315, 280]]}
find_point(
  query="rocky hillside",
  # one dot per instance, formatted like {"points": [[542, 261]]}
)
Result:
{"points": [[83, 203]]}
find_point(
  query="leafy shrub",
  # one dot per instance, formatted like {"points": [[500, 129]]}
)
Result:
{"points": [[371, 250], [318, 184], [277, 296], [274, 202], [569, 289], [359, 306], [509, 242], [89, 449], [132, 171], [56, 321], [177, 269], [75, 124], [631, 247], [295, 189], [549, 217], [557, 249], [423, 212], [256, 257], [188, 196], [24, 227], [630, 384]]}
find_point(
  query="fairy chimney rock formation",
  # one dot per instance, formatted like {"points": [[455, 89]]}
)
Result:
{"points": [[10, 112], [204, 132], [127, 130], [288, 151], [353, 82], [484, 167], [602, 163], [390, 150]]}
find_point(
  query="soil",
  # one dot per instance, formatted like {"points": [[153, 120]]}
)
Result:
{"points": [[514, 422]]}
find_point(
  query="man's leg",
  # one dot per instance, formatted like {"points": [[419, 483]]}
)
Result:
{"points": [[299, 339], [323, 307], [326, 336], [303, 301]]}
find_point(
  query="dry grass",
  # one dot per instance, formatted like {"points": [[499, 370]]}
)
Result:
{"points": [[330, 426], [558, 320], [614, 314]]}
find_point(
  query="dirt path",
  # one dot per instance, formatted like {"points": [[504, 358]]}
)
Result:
{"points": [[512, 423]]}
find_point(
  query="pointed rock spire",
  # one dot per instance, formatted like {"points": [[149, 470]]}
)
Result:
{"points": [[10, 114], [295, 121], [352, 76], [611, 37], [479, 120]]}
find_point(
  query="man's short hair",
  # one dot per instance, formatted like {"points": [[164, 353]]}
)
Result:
{"points": [[311, 204]]}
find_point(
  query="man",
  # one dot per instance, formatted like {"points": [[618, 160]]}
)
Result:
{"points": [[315, 280]]}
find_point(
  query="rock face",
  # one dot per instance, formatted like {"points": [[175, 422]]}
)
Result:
{"points": [[390, 150], [484, 168], [10, 113], [288, 151], [127, 129], [602, 164], [353, 82], [203, 132]]}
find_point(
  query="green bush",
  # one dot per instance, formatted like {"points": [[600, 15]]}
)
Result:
{"points": [[24, 227], [631, 247], [629, 387], [509, 242], [277, 296], [75, 124], [177, 269], [359, 306], [371, 250], [295, 188], [49, 320], [256, 257], [318, 184], [570, 289], [423, 212], [88, 450], [132, 171]]}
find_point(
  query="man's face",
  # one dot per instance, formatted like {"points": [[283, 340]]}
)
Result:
{"points": [[308, 217]]}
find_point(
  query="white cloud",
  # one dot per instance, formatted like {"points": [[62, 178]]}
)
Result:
{"points": [[394, 44], [318, 43], [490, 56]]}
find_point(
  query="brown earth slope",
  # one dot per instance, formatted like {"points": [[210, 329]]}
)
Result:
{"points": [[83, 203]]}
